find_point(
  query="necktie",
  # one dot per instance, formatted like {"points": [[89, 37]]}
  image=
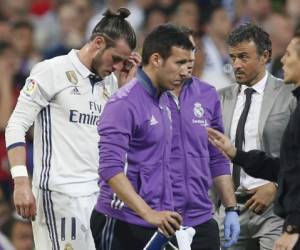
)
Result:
{"points": [[240, 134]]}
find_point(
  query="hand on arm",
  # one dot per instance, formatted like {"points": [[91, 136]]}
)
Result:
{"points": [[23, 197], [167, 221], [221, 142]]}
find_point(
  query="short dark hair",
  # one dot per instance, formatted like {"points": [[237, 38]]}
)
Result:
{"points": [[4, 46], [19, 24], [162, 39], [250, 32], [114, 26], [207, 15]]}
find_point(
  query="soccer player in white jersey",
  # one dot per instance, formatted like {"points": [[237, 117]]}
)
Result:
{"points": [[64, 97]]}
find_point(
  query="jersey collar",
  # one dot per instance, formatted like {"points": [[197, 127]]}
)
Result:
{"points": [[79, 66]]}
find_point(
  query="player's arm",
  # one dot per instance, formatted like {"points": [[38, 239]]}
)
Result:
{"points": [[32, 99], [116, 126], [19, 123]]}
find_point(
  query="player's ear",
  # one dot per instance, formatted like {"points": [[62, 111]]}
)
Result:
{"points": [[100, 42], [156, 60]]}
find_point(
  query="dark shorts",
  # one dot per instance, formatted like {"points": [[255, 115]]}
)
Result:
{"points": [[113, 234], [205, 238]]}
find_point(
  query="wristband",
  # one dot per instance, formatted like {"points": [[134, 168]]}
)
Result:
{"points": [[233, 209], [18, 171]]}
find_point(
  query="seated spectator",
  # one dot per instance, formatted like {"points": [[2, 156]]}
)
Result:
{"points": [[20, 233]]}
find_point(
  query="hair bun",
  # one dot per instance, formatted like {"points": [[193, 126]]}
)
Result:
{"points": [[121, 13]]}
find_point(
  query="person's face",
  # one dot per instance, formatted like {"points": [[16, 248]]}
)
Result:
{"points": [[248, 66], [175, 69], [191, 62], [108, 60], [9, 60], [84, 8], [291, 62], [23, 41], [220, 23], [22, 236], [188, 15]]}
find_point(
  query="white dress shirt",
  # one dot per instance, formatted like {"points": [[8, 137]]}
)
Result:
{"points": [[251, 128]]}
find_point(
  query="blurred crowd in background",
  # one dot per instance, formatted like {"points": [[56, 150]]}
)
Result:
{"points": [[34, 30]]}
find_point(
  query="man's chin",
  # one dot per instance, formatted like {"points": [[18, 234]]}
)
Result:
{"points": [[104, 74], [242, 82]]}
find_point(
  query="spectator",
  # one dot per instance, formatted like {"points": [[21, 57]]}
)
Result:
{"points": [[8, 96], [217, 69], [280, 29], [24, 45], [293, 11], [5, 29], [187, 14], [20, 233], [71, 33]]}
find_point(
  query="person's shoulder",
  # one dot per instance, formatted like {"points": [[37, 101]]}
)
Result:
{"points": [[279, 83], [201, 83], [53, 63], [226, 90], [202, 86], [126, 93], [60, 61]]}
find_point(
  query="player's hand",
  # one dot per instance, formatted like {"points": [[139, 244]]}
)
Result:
{"points": [[24, 199], [167, 221], [130, 68], [286, 241], [221, 142], [262, 197]]}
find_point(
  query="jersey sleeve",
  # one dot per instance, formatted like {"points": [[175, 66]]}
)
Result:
{"points": [[37, 92], [39, 86]]}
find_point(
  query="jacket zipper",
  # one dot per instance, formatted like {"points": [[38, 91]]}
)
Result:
{"points": [[184, 156]]}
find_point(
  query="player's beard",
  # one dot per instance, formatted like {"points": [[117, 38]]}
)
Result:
{"points": [[97, 62]]}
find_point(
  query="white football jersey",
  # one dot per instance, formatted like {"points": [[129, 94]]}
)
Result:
{"points": [[65, 106]]}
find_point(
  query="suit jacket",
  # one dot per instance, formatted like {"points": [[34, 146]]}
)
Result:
{"points": [[277, 105]]}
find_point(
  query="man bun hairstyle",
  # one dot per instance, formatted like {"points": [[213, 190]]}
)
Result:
{"points": [[122, 13], [114, 26]]}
